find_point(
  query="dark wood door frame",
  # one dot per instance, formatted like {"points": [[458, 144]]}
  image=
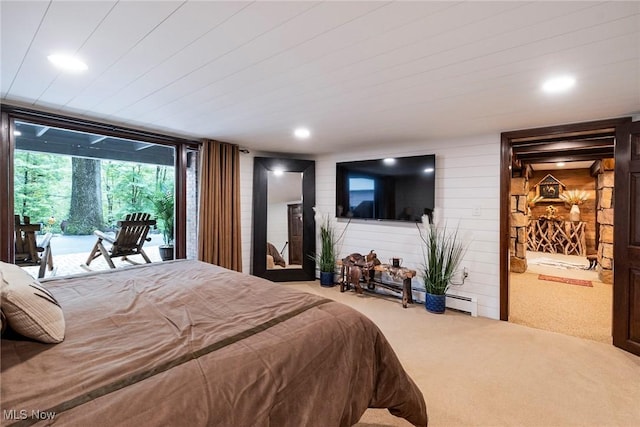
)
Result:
{"points": [[550, 138]]}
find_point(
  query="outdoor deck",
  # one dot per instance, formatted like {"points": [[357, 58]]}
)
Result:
{"points": [[70, 255]]}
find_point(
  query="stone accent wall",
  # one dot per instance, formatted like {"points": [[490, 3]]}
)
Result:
{"points": [[605, 222], [519, 220]]}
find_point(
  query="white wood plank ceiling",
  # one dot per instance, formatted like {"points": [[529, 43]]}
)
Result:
{"points": [[356, 73]]}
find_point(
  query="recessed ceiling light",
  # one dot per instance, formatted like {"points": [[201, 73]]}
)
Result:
{"points": [[560, 164], [429, 170], [302, 133], [389, 161], [67, 62], [559, 84]]}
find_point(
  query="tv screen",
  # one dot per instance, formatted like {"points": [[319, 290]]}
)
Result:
{"points": [[401, 189]]}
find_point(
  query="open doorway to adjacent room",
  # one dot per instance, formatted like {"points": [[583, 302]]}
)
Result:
{"points": [[566, 285], [560, 264]]}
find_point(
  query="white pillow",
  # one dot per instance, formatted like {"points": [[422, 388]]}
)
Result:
{"points": [[30, 309]]}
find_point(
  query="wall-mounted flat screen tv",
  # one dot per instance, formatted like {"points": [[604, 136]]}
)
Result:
{"points": [[401, 188]]}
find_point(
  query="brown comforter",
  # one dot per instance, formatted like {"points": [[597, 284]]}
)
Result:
{"points": [[188, 343]]}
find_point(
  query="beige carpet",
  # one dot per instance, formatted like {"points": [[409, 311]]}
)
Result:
{"points": [[482, 372], [575, 310]]}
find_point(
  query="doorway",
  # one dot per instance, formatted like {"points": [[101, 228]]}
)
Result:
{"points": [[557, 284], [569, 143]]}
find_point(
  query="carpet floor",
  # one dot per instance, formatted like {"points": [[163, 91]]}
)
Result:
{"points": [[483, 372], [558, 298]]}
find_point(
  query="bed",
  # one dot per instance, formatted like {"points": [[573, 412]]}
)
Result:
{"points": [[189, 343]]}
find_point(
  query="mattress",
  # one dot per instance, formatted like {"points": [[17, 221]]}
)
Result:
{"points": [[189, 343]]}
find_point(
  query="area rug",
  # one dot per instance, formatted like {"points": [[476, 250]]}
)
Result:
{"points": [[558, 264], [565, 280]]}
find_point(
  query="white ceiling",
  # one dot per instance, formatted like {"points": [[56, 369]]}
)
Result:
{"points": [[359, 73]]}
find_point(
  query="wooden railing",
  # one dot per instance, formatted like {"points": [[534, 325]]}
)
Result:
{"points": [[556, 236]]}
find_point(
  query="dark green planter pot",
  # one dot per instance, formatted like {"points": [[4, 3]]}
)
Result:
{"points": [[326, 278], [435, 303], [166, 252]]}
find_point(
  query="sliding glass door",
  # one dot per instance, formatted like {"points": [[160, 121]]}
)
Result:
{"points": [[74, 180]]}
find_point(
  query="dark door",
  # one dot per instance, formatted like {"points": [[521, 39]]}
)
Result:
{"points": [[295, 233], [626, 252]]}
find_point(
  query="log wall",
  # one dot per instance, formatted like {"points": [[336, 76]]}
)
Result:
{"points": [[573, 179]]}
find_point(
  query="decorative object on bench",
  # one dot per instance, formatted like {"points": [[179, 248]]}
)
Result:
{"points": [[551, 212], [356, 267], [443, 253], [28, 250], [574, 198], [129, 239]]}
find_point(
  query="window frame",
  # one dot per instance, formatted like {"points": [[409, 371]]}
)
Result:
{"points": [[10, 113]]}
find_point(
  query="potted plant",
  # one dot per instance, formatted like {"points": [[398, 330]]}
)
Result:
{"points": [[163, 205], [326, 259], [443, 252], [574, 198]]}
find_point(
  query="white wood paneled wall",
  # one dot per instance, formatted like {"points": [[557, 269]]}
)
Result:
{"points": [[467, 196], [246, 208]]}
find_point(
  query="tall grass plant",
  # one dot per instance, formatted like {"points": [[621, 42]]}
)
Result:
{"points": [[443, 251], [326, 259]]}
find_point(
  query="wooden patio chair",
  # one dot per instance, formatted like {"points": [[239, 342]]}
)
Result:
{"points": [[30, 252], [129, 239]]}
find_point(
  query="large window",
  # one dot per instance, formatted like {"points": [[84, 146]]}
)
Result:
{"points": [[79, 182], [74, 181]]}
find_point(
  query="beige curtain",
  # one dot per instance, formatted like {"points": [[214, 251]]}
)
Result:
{"points": [[219, 240]]}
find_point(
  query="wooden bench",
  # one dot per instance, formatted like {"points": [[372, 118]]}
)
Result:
{"points": [[398, 273]]}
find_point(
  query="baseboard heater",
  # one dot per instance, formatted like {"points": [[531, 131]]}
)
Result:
{"points": [[460, 303], [454, 302]]}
